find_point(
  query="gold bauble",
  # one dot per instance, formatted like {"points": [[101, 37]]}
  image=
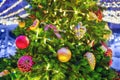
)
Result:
{"points": [[64, 54], [21, 24]]}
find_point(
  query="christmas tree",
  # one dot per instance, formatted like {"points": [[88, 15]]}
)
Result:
{"points": [[60, 40]]}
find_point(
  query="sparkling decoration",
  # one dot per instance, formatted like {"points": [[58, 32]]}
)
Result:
{"points": [[91, 16], [4, 73], [25, 63], [80, 30], [22, 42], [64, 54], [34, 25], [21, 24], [91, 59], [56, 32]]}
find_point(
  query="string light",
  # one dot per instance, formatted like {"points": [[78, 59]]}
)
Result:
{"points": [[64, 14], [48, 66], [76, 12]]}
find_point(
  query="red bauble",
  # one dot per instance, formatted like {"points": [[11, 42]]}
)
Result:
{"points": [[22, 42]]}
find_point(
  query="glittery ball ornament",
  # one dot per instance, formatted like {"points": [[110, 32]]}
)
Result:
{"points": [[25, 63], [21, 24], [80, 31], [22, 42], [64, 54], [91, 59]]}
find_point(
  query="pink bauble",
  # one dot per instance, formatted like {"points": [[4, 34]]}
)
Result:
{"points": [[22, 42], [25, 63]]}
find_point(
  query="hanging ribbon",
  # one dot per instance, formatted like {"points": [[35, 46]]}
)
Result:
{"points": [[56, 32]]}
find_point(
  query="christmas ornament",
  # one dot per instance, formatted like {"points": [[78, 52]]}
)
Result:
{"points": [[64, 54], [80, 30], [34, 25], [91, 59], [106, 49], [22, 42], [25, 63], [4, 73], [91, 43], [99, 15], [21, 24], [56, 32], [91, 16]]}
